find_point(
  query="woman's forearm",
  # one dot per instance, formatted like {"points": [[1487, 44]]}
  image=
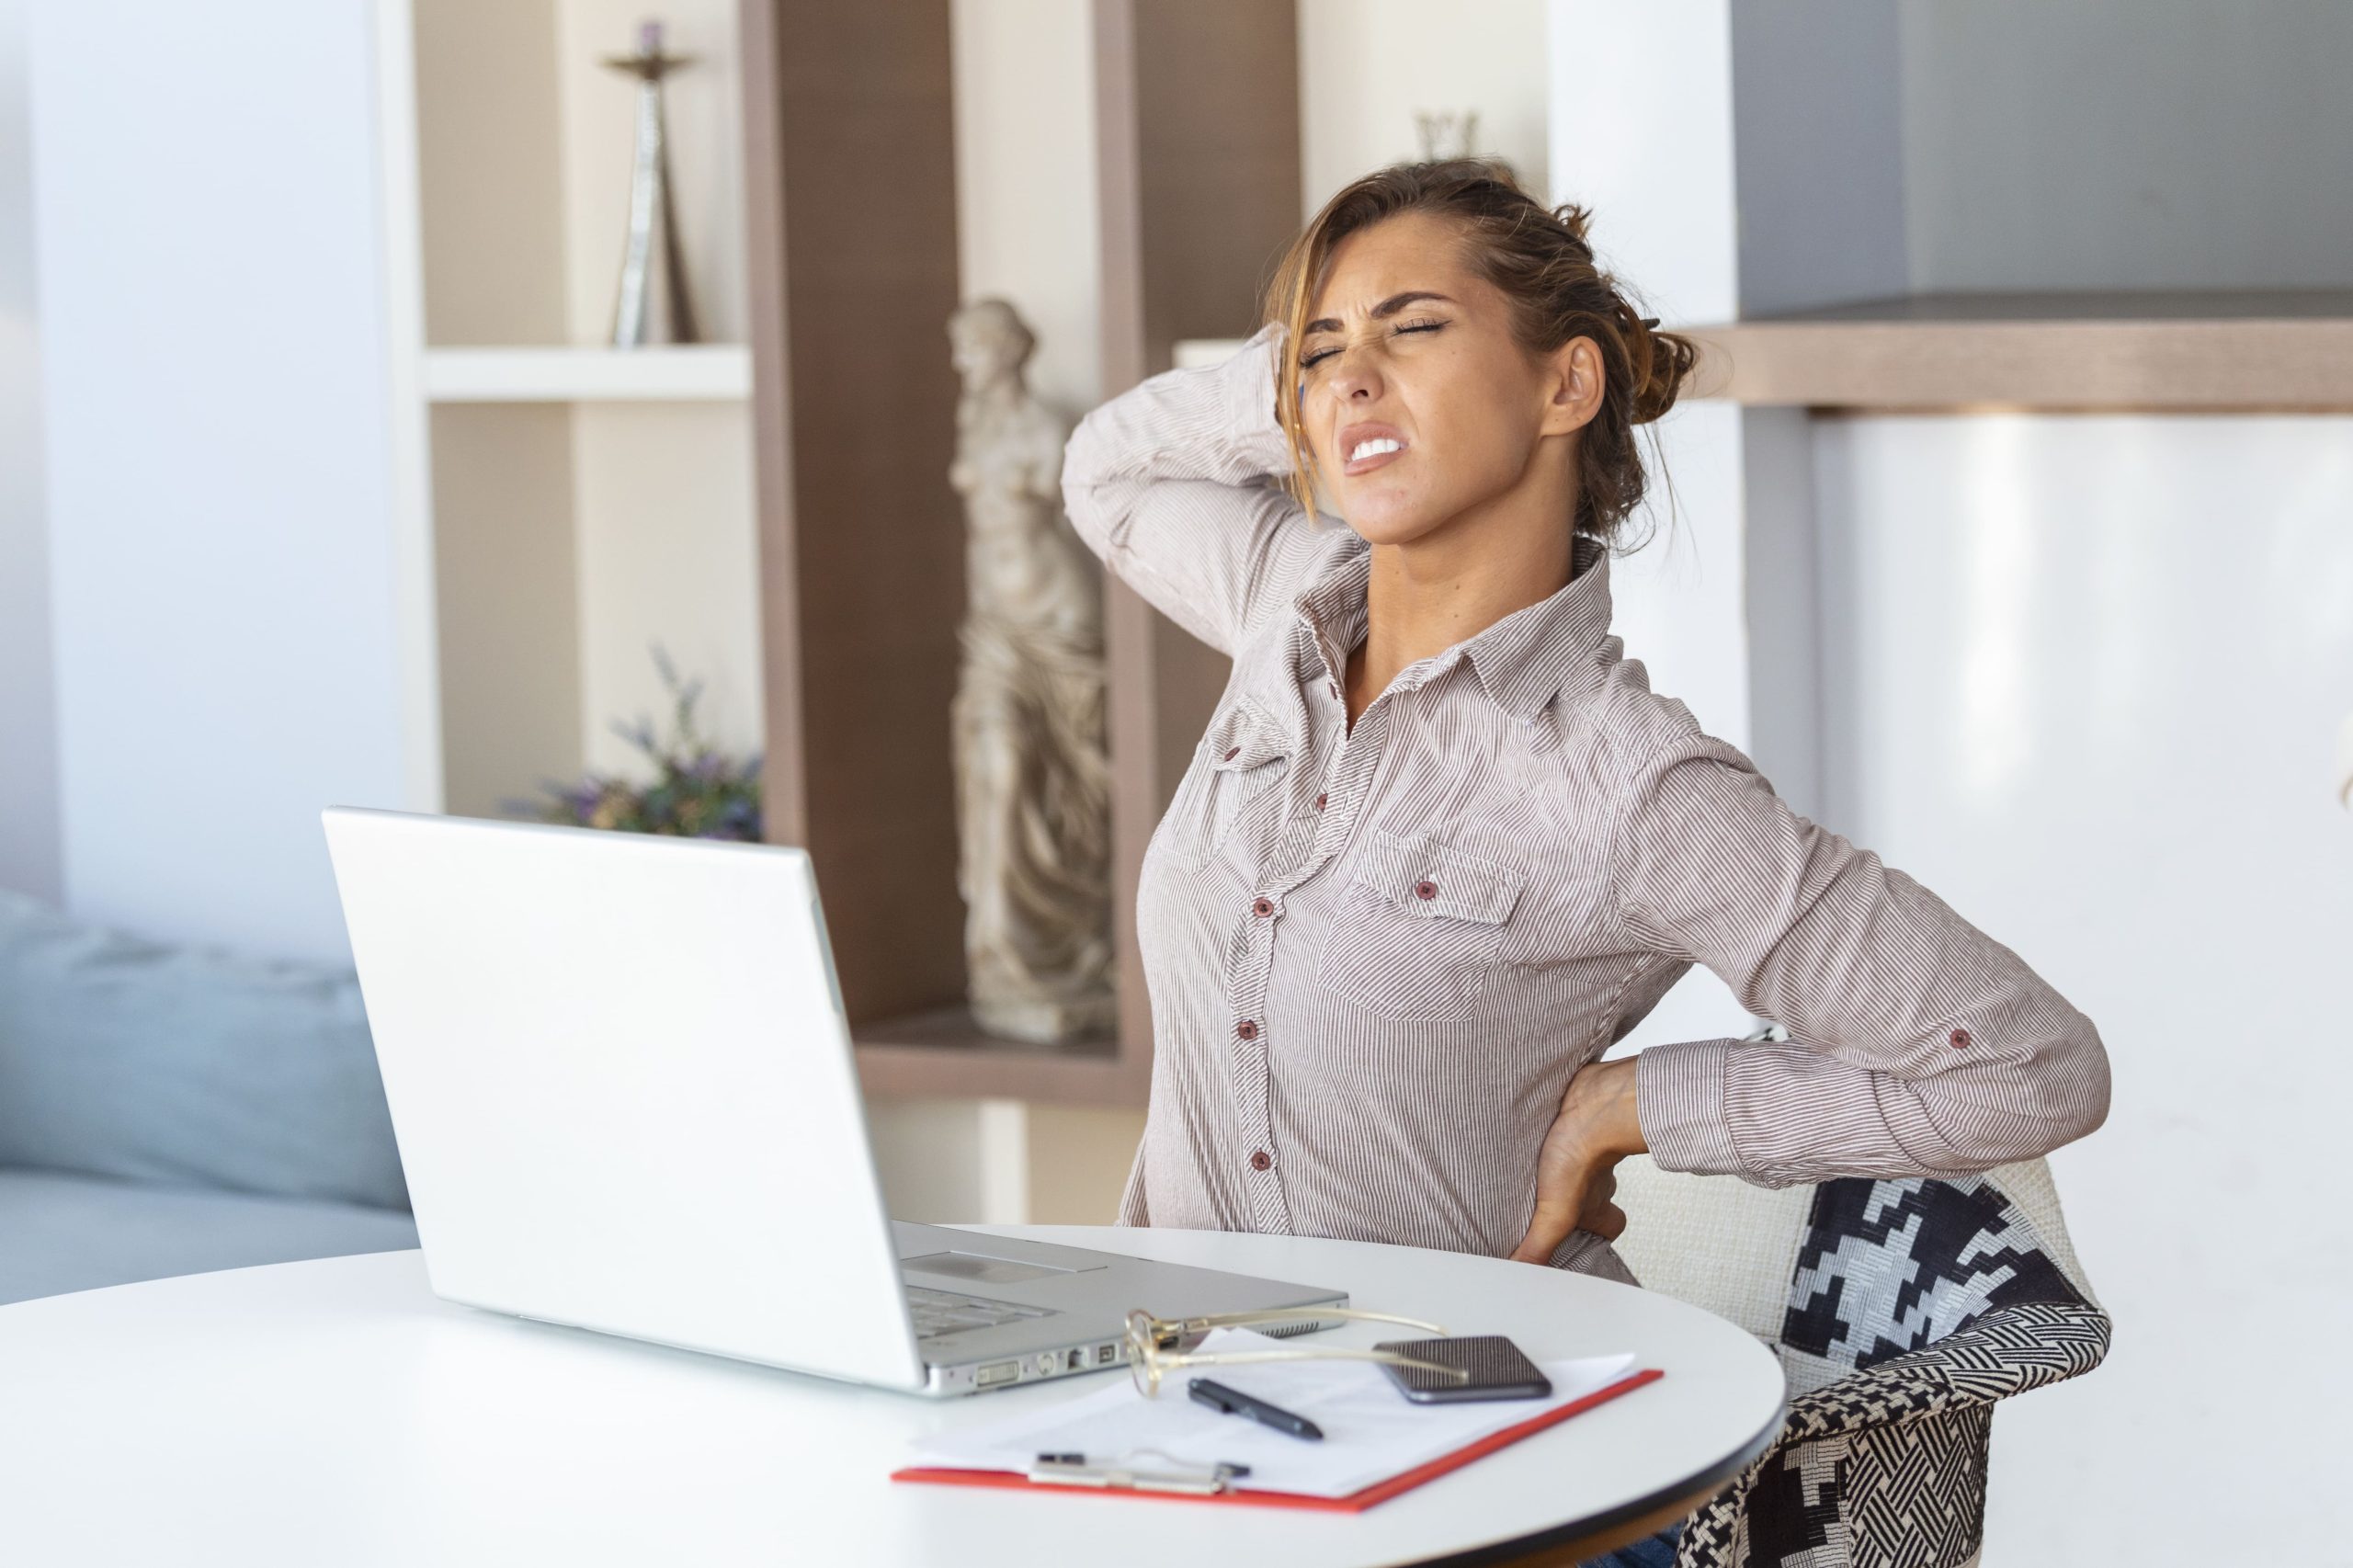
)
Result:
{"points": [[1174, 484], [1208, 422], [1919, 1046]]}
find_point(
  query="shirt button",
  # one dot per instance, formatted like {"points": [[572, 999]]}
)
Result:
{"points": [[1261, 907], [1319, 801], [1262, 1161], [1960, 1039], [1246, 1028], [1425, 889], [1232, 752]]}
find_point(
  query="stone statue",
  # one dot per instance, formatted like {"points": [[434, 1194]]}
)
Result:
{"points": [[1032, 781]]}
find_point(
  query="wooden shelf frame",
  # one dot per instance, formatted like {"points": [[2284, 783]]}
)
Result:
{"points": [[2237, 352], [862, 540], [943, 1055], [2222, 350]]}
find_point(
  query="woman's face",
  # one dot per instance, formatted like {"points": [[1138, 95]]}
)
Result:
{"points": [[1419, 403]]}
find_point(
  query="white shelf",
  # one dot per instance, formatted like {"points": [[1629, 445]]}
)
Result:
{"points": [[714, 372], [1193, 352]]}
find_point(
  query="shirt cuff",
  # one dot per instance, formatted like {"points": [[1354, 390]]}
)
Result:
{"points": [[1679, 1101], [1583, 1253], [1249, 387]]}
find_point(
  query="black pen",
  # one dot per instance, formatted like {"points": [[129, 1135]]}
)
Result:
{"points": [[1234, 1401]]}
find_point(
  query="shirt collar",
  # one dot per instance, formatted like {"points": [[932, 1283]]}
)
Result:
{"points": [[1521, 660]]}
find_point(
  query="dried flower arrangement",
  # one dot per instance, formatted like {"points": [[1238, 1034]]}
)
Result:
{"points": [[697, 793]]}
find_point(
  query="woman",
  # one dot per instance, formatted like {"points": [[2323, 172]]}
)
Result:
{"points": [[1443, 846]]}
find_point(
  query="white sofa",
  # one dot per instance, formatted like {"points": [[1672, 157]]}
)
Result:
{"points": [[169, 1109]]}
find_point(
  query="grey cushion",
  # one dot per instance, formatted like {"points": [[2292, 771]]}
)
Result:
{"points": [[68, 1232], [188, 1066]]}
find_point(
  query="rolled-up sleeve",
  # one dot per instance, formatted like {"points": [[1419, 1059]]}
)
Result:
{"points": [[1177, 486], [1919, 1046]]}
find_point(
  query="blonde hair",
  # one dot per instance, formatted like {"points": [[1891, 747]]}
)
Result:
{"points": [[1541, 260]]}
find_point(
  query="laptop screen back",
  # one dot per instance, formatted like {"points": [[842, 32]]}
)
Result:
{"points": [[623, 1087]]}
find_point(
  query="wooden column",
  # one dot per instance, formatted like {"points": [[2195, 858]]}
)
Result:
{"points": [[851, 213], [1198, 146]]}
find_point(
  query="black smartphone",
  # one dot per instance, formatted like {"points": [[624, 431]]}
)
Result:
{"points": [[1497, 1368]]}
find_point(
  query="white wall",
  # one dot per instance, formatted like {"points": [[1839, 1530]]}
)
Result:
{"points": [[214, 365], [2084, 675], [1026, 217], [1367, 66], [667, 552], [1663, 224], [29, 861]]}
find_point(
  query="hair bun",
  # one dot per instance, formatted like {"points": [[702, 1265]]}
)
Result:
{"points": [[1576, 220], [1664, 361]]}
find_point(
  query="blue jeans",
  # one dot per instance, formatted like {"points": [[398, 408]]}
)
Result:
{"points": [[1651, 1552]]}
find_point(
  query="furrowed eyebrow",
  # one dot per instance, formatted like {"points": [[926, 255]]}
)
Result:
{"points": [[1388, 307]]}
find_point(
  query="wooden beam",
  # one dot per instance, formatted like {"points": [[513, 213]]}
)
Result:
{"points": [[2220, 351]]}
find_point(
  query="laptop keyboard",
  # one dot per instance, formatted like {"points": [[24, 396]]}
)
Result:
{"points": [[945, 1311]]}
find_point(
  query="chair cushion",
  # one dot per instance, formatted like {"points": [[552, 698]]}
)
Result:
{"points": [[189, 1066], [1716, 1242], [64, 1233]]}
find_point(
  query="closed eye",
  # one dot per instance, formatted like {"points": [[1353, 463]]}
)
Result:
{"points": [[1308, 361]]}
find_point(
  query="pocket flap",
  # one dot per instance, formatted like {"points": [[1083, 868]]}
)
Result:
{"points": [[1423, 876], [1244, 737]]}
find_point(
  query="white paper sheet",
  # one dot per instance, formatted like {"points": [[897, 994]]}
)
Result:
{"points": [[1371, 1430]]}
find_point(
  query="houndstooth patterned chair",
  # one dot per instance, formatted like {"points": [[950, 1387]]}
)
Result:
{"points": [[1902, 1311]]}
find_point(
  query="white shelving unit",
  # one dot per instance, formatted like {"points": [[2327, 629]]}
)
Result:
{"points": [[696, 373], [567, 505]]}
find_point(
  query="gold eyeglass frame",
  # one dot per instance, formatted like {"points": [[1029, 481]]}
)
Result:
{"points": [[1154, 1346]]}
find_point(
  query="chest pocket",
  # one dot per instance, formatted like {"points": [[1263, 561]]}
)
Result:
{"points": [[1416, 933], [1231, 781]]}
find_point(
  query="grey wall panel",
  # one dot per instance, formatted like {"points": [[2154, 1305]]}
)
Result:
{"points": [[2128, 143]]}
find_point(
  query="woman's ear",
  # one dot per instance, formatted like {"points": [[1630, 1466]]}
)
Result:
{"points": [[1573, 386]]}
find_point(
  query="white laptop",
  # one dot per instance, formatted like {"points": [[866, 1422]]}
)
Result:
{"points": [[623, 1090]]}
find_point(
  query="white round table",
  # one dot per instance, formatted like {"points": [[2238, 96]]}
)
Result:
{"points": [[338, 1412]]}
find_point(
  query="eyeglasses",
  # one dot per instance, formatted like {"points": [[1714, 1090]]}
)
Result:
{"points": [[1155, 1347]]}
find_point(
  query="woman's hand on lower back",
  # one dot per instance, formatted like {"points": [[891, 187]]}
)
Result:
{"points": [[1576, 1170]]}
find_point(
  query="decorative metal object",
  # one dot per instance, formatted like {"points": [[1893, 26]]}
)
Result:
{"points": [[1448, 133], [652, 305]]}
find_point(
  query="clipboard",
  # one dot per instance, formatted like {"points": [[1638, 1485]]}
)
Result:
{"points": [[1205, 1487]]}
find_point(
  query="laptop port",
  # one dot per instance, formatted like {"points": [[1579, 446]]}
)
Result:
{"points": [[996, 1372], [1074, 1360], [1106, 1354]]}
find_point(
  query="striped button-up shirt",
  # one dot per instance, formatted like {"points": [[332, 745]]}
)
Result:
{"points": [[1376, 954]]}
